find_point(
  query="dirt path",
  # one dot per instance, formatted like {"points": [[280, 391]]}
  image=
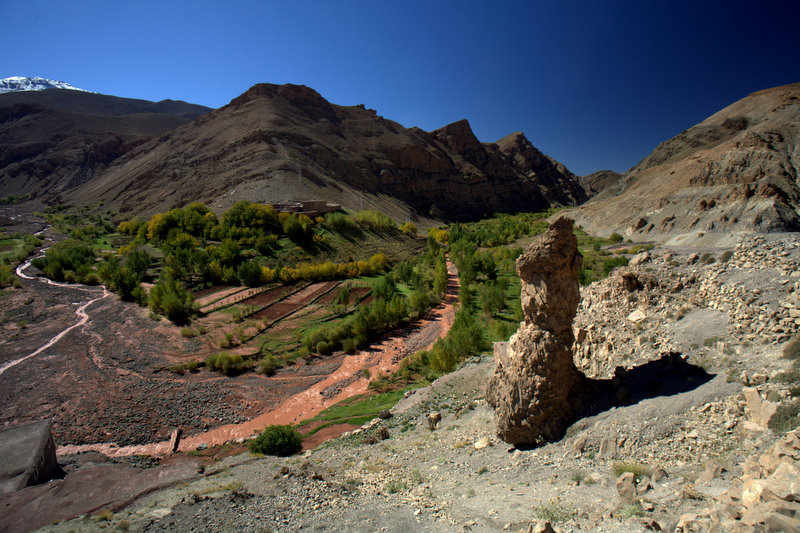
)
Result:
{"points": [[346, 381], [80, 311]]}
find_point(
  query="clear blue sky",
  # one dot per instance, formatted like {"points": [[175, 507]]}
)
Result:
{"points": [[594, 84]]}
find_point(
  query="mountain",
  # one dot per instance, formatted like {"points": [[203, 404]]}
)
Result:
{"points": [[737, 171], [596, 182], [283, 142], [19, 83], [55, 139]]}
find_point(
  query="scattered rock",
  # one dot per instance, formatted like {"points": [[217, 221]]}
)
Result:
{"points": [[711, 471], [434, 419], [626, 487], [758, 410], [481, 443], [175, 440], [639, 259], [637, 316]]}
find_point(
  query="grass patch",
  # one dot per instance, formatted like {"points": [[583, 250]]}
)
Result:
{"points": [[552, 511], [710, 342], [393, 487], [786, 418], [357, 410], [639, 470], [629, 511]]}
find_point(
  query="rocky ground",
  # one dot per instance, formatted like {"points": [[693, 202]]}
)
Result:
{"points": [[687, 350]]}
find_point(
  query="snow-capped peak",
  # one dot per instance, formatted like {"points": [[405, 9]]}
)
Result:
{"points": [[19, 83]]}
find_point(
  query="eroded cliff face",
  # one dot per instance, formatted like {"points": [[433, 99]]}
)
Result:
{"points": [[534, 389]]}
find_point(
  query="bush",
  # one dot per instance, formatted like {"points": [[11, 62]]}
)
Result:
{"points": [[615, 237], [170, 298], [228, 364], [639, 470], [409, 229], [66, 256], [282, 441], [267, 364], [786, 418], [7, 277]]}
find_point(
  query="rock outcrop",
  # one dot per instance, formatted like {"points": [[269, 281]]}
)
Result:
{"points": [[533, 389], [27, 456], [765, 498]]}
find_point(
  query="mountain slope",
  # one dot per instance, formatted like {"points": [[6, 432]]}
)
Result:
{"points": [[253, 147], [737, 171], [54, 140], [596, 182]]}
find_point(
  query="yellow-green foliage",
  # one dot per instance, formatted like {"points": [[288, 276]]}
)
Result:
{"points": [[330, 270], [409, 229]]}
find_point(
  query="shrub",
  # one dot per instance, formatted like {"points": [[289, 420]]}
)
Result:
{"points": [[249, 273], [615, 237], [267, 364], [7, 278], [786, 418], [639, 470], [170, 298], [228, 364], [66, 256], [282, 441], [409, 229]]}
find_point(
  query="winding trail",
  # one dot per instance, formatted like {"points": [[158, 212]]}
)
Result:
{"points": [[80, 311]]}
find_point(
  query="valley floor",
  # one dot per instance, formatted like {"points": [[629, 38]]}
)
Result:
{"points": [[678, 414]]}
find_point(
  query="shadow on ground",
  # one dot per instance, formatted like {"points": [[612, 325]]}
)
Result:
{"points": [[669, 375], [666, 376]]}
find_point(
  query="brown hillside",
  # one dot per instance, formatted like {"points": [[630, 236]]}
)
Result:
{"points": [[252, 148], [597, 182], [54, 140], [737, 171]]}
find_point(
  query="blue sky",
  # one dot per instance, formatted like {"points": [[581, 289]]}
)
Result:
{"points": [[594, 84]]}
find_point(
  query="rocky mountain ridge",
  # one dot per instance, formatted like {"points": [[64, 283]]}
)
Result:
{"points": [[737, 171], [283, 142]]}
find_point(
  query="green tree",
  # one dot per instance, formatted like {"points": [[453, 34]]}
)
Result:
{"points": [[170, 298]]}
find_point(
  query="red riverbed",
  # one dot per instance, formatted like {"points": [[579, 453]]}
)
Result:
{"points": [[345, 381]]}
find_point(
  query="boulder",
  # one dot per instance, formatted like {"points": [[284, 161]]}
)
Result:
{"points": [[534, 386], [27, 456], [639, 259], [626, 487], [434, 419], [759, 410]]}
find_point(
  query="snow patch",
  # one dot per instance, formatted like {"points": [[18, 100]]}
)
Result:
{"points": [[19, 83]]}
